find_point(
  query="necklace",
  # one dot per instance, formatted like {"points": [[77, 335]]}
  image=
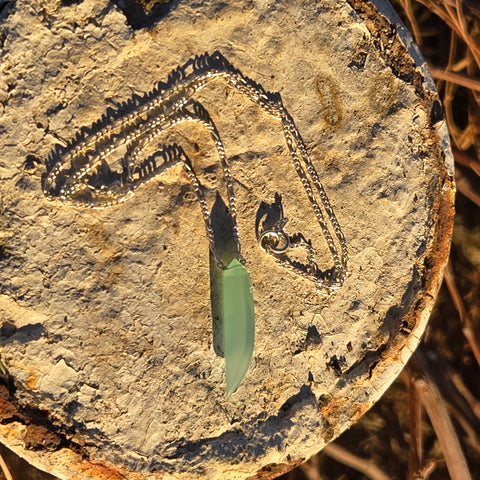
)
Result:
{"points": [[81, 176]]}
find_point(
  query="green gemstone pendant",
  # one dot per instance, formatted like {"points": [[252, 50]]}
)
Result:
{"points": [[239, 323]]}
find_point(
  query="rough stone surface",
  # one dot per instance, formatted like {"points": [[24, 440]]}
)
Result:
{"points": [[106, 313]]}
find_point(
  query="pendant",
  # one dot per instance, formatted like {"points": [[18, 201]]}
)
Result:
{"points": [[238, 323]]}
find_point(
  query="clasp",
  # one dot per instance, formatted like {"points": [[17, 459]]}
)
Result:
{"points": [[274, 241]]}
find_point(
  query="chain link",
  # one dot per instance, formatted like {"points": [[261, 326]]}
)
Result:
{"points": [[76, 177]]}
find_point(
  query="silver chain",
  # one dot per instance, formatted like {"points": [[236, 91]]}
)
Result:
{"points": [[77, 176]]}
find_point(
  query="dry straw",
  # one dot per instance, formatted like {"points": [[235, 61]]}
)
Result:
{"points": [[427, 426]]}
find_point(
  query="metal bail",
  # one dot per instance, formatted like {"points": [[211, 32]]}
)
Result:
{"points": [[274, 241]]}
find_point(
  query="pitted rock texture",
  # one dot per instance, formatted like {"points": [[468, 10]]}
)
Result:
{"points": [[106, 313]]}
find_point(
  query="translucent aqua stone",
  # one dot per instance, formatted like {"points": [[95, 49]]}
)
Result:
{"points": [[239, 323]]}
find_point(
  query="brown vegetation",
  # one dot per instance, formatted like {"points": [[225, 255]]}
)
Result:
{"points": [[427, 425]]}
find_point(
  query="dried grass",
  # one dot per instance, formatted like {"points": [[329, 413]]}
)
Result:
{"points": [[5, 470], [427, 425]]}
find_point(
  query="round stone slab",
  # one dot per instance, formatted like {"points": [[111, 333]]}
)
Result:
{"points": [[107, 329]]}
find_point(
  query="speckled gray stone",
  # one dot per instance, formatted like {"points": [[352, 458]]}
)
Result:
{"points": [[112, 307]]}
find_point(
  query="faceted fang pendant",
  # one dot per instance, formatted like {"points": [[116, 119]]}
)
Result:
{"points": [[239, 323]]}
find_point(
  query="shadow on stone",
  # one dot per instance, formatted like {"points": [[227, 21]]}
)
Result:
{"points": [[225, 246], [141, 14], [270, 213], [22, 335], [238, 443]]}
